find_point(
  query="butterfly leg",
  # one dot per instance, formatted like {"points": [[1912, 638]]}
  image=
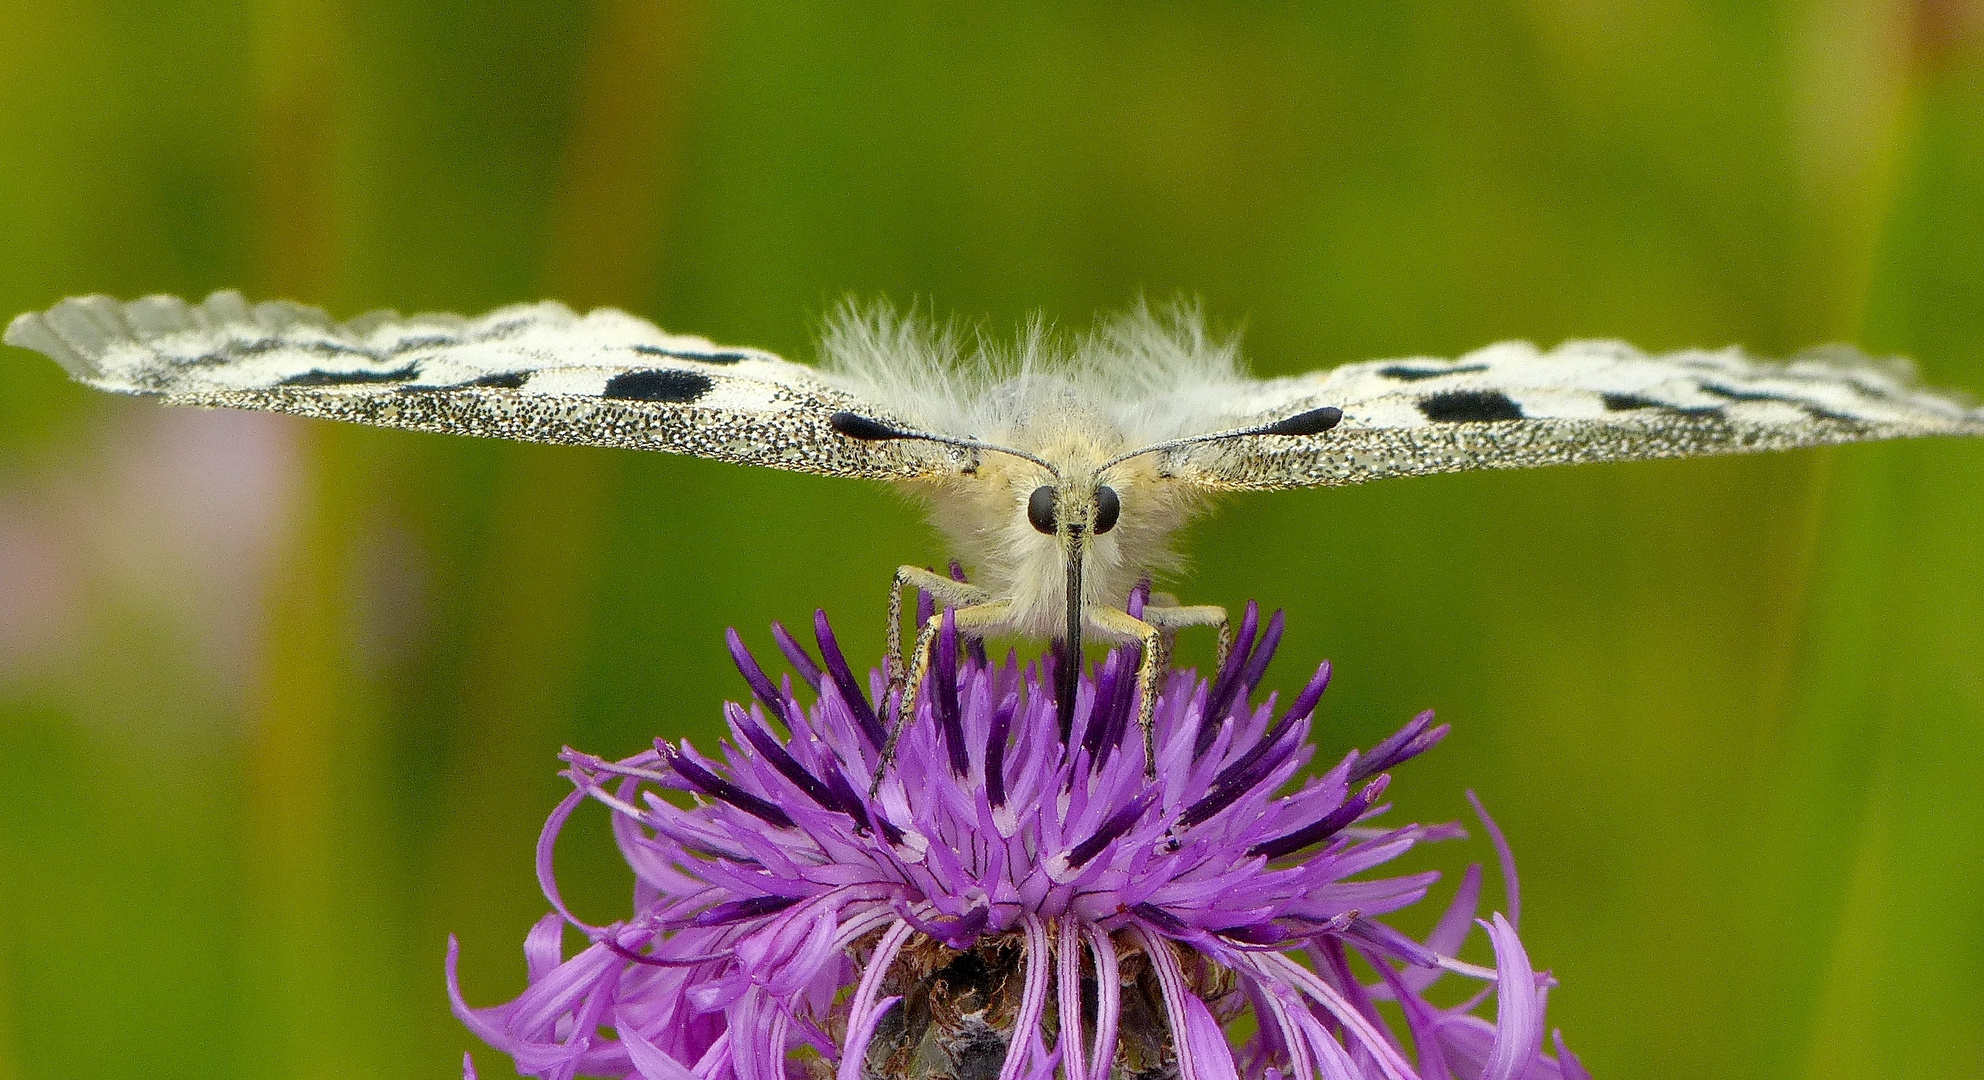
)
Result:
{"points": [[1122, 625], [974, 619], [949, 593], [1172, 617]]}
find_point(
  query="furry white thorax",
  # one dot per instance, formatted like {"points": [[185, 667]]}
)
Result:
{"points": [[1076, 401]]}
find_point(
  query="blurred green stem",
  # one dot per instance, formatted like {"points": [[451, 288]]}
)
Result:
{"points": [[542, 570], [320, 965]]}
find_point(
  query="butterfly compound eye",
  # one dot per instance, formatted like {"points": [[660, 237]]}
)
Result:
{"points": [[1107, 509], [1040, 509]]}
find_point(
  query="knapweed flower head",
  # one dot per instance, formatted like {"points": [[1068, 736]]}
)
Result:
{"points": [[1017, 899]]}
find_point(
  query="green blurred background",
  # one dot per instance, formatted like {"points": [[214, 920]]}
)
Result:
{"points": [[279, 701]]}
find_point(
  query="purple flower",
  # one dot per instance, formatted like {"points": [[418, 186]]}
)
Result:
{"points": [[1016, 900]]}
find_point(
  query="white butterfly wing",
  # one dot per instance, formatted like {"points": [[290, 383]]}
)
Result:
{"points": [[534, 372], [1512, 406]]}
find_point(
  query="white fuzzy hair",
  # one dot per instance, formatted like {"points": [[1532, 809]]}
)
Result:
{"points": [[1137, 377]]}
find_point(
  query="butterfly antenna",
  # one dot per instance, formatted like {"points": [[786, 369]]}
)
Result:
{"points": [[1313, 422], [867, 429]]}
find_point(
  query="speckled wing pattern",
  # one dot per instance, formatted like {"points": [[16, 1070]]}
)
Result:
{"points": [[535, 372], [1512, 406]]}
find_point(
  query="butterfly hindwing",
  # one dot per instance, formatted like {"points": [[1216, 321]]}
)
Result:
{"points": [[535, 372], [1513, 406]]}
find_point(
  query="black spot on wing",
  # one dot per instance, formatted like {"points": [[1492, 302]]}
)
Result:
{"points": [[1730, 393], [680, 387], [722, 357], [506, 329], [1469, 406], [430, 341], [1312, 422], [268, 345], [1633, 402], [1628, 402], [320, 377], [508, 380], [1408, 373], [1812, 408]]}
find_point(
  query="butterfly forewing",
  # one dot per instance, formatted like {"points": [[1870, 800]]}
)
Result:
{"points": [[534, 372], [1513, 406]]}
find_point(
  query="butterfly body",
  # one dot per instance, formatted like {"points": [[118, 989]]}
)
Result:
{"points": [[1060, 467]]}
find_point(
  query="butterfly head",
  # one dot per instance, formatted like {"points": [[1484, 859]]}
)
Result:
{"points": [[1062, 508], [1051, 533], [1066, 522]]}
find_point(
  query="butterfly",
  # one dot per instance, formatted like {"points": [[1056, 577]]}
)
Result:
{"points": [[1060, 466]]}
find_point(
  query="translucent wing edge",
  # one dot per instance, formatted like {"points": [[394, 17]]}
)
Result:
{"points": [[83, 333], [162, 344], [1594, 367]]}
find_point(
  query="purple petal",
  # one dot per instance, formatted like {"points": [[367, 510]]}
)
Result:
{"points": [[796, 655], [1225, 685], [1116, 710], [1510, 886], [1415, 738], [1257, 664], [1451, 931], [747, 666], [995, 750], [1118, 824], [1068, 997], [718, 788], [769, 749], [1312, 692], [1329, 825], [1095, 728], [649, 1062], [1278, 1027], [845, 683], [547, 845], [1280, 970], [1033, 1000], [544, 947], [752, 907], [1422, 1021], [855, 1054], [1568, 1065], [1109, 1001], [864, 1014], [1210, 1051], [1518, 1006], [943, 693], [485, 1024], [1171, 982], [1245, 773]]}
